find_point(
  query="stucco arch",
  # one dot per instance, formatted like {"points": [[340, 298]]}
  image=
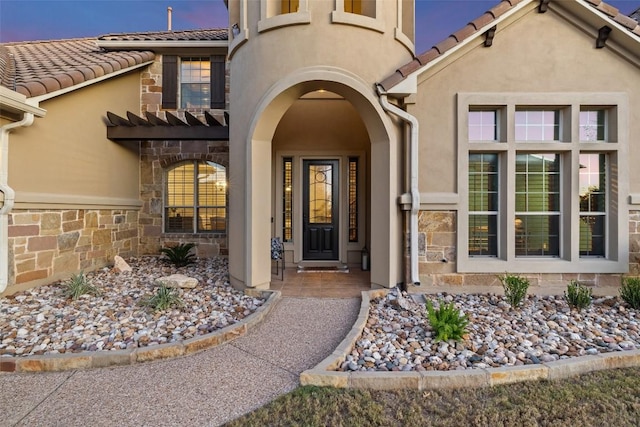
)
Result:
{"points": [[252, 261]]}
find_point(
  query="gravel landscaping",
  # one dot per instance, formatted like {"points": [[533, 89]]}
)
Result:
{"points": [[43, 321], [398, 337]]}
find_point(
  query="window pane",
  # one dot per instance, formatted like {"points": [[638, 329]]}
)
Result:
{"points": [[287, 199], [537, 235], [483, 204], [483, 126], [537, 204], [289, 6], [537, 125], [593, 185], [353, 199], [592, 125], [195, 95], [212, 197]]}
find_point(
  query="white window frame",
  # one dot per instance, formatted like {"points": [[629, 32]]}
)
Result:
{"points": [[569, 147]]}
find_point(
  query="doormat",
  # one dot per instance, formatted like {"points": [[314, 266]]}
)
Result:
{"points": [[323, 269]]}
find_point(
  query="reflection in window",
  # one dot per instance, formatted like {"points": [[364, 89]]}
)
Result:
{"points": [[195, 83], [287, 199], [483, 204], [593, 198], [537, 125], [592, 125], [537, 219], [196, 198], [353, 199], [483, 126]]}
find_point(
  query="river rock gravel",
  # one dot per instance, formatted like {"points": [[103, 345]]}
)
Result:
{"points": [[398, 337], [42, 321]]}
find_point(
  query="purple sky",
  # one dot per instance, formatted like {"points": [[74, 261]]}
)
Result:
{"points": [[52, 19]]}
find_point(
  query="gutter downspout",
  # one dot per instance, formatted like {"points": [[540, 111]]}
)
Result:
{"points": [[9, 196], [413, 169]]}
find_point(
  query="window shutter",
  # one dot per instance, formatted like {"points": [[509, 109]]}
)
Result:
{"points": [[217, 81], [169, 82]]}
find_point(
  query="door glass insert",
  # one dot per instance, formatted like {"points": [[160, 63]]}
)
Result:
{"points": [[320, 194]]}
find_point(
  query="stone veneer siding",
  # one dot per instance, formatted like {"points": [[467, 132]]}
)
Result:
{"points": [[155, 158], [49, 245], [437, 257]]}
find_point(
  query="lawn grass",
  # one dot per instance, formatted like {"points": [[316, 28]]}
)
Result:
{"points": [[605, 398]]}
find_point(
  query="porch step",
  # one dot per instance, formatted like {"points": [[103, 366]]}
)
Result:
{"points": [[343, 268]]}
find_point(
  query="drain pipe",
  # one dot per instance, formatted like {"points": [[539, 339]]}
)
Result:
{"points": [[413, 166], [9, 196]]}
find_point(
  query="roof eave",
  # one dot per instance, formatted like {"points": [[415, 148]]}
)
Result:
{"points": [[16, 104], [160, 44]]}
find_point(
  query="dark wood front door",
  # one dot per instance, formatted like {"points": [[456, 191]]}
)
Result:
{"points": [[320, 209]]}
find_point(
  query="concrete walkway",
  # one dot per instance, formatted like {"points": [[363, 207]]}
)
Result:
{"points": [[208, 388]]}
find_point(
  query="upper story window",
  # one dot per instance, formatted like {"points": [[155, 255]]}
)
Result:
{"points": [[592, 125], [289, 6], [195, 199], [193, 82], [359, 13], [282, 13], [483, 125], [537, 125]]}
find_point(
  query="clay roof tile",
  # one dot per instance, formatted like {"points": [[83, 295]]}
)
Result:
{"points": [[446, 44]]}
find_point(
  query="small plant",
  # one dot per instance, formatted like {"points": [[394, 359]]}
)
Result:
{"points": [[164, 298], [180, 255], [447, 322], [79, 285], [630, 291], [515, 288], [577, 295]]}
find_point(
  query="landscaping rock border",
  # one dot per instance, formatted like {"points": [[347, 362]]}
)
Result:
{"points": [[102, 359], [325, 373]]}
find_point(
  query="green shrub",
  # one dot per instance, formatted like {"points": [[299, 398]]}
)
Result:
{"points": [[447, 322], [577, 295], [180, 255], [164, 298], [515, 288], [79, 285], [630, 291]]}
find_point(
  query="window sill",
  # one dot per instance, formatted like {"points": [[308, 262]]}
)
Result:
{"points": [[284, 20], [338, 17], [540, 265]]}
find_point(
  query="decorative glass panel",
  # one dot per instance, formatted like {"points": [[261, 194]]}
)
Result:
{"points": [[195, 83], [537, 125], [483, 204], [320, 194], [483, 126], [537, 204], [287, 199], [353, 199], [592, 125], [593, 198]]}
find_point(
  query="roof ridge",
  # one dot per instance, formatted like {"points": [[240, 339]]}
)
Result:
{"points": [[28, 42], [140, 33]]}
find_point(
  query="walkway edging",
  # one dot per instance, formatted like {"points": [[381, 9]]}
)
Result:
{"points": [[325, 375], [103, 359]]}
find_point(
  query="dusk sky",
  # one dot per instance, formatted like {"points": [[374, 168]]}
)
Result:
{"points": [[22, 20]]}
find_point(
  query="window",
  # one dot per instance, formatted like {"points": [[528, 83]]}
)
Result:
{"points": [[483, 204], [537, 125], [289, 6], [353, 199], [360, 13], [196, 198], [543, 185], [287, 199], [592, 125], [283, 13], [193, 82]]}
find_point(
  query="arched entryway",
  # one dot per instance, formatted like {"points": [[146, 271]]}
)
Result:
{"points": [[280, 131]]}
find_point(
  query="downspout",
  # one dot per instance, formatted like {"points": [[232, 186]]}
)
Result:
{"points": [[9, 196], [413, 184]]}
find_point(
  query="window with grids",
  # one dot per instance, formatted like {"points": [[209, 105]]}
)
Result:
{"points": [[195, 83], [536, 190], [483, 204], [287, 199], [196, 198], [353, 199]]}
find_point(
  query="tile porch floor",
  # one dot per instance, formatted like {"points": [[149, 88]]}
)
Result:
{"points": [[321, 284]]}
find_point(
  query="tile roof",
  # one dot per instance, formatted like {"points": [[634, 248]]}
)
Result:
{"points": [[472, 28], [41, 67], [186, 35], [636, 15]]}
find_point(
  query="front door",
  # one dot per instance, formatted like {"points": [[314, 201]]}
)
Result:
{"points": [[320, 209]]}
